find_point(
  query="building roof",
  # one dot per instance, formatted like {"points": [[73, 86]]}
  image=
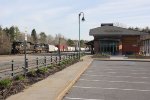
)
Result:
{"points": [[113, 30]]}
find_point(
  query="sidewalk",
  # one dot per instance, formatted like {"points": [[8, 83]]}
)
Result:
{"points": [[55, 86]]}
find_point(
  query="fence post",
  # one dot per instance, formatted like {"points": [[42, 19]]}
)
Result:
{"points": [[26, 65], [12, 67], [59, 59], [73, 56], [56, 59], [66, 56], [51, 59], [76, 55], [37, 63], [45, 61]]}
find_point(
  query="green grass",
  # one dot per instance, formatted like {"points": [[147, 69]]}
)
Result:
{"points": [[32, 73], [20, 77], [42, 70], [5, 83]]}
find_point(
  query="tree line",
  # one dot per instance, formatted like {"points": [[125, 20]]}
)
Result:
{"points": [[146, 29], [13, 34]]}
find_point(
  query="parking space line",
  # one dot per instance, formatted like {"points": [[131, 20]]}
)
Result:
{"points": [[110, 72], [140, 73], [114, 81], [117, 68], [81, 98], [111, 89], [132, 70], [114, 76]]}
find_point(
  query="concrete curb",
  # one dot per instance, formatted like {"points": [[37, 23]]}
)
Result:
{"points": [[71, 83], [135, 60]]}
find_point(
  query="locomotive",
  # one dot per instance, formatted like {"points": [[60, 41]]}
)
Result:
{"points": [[19, 48]]}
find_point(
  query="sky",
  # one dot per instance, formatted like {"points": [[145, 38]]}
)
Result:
{"points": [[61, 16]]}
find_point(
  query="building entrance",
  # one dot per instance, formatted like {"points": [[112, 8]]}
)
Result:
{"points": [[109, 47]]}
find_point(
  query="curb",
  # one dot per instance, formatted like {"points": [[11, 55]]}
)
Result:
{"points": [[71, 83], [121, 60]]}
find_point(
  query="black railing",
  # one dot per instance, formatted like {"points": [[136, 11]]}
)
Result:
{"points": [[14, 68]]}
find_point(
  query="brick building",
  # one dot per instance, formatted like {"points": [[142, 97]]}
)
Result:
{"points": [[109, 39]]}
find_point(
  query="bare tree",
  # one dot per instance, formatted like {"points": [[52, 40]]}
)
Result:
{"points": [[5, 44], [50, 39]]}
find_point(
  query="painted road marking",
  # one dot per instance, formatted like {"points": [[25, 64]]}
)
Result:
{"points": [[113, 81], [111, 89], [114, 76], [139, 73], [105, 69], [110, 72], [123, 68], [81, 98]]}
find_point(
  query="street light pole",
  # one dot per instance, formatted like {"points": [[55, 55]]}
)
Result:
{"points": [[25, 54], [59, 51], [79, 30]]}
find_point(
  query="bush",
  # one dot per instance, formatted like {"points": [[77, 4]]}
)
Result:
{"points": [[32, 73], [20, 77], [64, 62], [5, 83], [50, 66], [42, 70]]}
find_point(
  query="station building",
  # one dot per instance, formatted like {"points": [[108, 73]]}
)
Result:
{"points": [[145, 44], [113, 40]]}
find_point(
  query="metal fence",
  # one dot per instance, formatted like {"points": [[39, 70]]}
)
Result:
{"points": [[14, 68]]}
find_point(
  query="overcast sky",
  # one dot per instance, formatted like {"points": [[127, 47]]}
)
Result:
{"points": [[61, 16]]}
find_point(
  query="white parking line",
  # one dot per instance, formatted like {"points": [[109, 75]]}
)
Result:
{"points": [[114, 76], [132, 70], [81, 98], [118, 68], [111, 89], [113, 81], [110, 72], [139, 73]]}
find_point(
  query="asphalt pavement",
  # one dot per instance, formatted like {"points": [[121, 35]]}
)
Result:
{"points": [[113, 80]]}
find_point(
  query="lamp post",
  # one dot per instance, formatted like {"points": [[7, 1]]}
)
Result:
{"points": [[25, 54], [59, 50], [83, 19]]}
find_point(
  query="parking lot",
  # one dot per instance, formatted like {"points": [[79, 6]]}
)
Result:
{"points": [[113, 80]]}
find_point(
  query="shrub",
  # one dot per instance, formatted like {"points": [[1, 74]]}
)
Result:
{"points": [[42, 70], [20, 77], [50, 66], [32, 73], [64, 62], [5, 83]]}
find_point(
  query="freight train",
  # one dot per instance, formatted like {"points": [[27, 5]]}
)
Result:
{"points": [[19, 48]]}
